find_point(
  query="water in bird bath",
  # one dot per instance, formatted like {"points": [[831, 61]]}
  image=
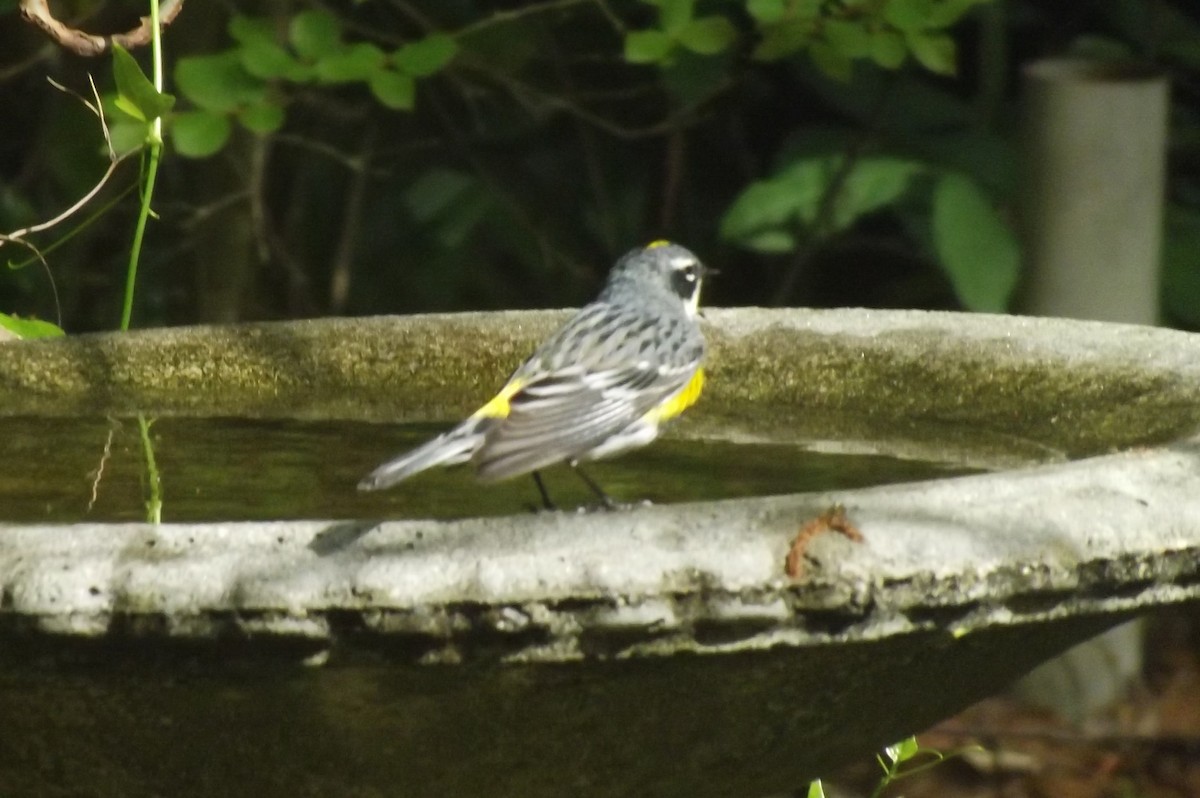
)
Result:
{"points": [[217, 469]]}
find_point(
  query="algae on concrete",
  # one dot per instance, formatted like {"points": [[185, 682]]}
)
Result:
{"points": [[986, 389]]}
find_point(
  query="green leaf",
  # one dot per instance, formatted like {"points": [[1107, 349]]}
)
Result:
{"points": [[976, 249], [315, 34], [766, 11], [129, 108], [268, 60], [934, 51], [252, 30], [904, 750], [708, 35], [872, 184], [30, 328], [674, 15], [127, 134], [888, 49], [265, 118], [647, 46], [199, 134], [218, 82], [831, 61], [815, 790], [395, 90], [136, 94], [947, 12], [766, 216], [357, 62], [784, 40], [908, 15], [850, 38], [770, 242], [767, 212], [805, 9], [427, 56]]}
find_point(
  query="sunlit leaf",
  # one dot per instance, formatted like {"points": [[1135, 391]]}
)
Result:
{"points": [[136, 94], [126, 133], [976, 248], [766, 11], [888, 49], [770, 242], [850, 38], [267, 60], [265, 118], [708, 35], [395, 90], [934, 51], [908, 15], [357, 62], [30, 328], [674, 15], [871, 184], [766, 216], [218, 82], [767, 212], [906, 749], [199, 134], [129, 108], [315, 33], [426, 56], [647, 46], [945, 13]]}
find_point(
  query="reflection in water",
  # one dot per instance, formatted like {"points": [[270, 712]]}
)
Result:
{"points": [[238, 469]]}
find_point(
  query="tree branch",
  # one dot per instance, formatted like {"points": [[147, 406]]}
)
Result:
{"points": [[80, 42]]}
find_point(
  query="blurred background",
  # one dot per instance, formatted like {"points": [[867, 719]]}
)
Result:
{"points": [[394, 157]]}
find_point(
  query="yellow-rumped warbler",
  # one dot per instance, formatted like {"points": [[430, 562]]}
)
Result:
{"points": [[599, 386]]}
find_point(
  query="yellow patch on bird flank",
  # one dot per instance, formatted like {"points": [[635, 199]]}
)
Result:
{"points": [[662, 242], [498, 407], [680, 401]]}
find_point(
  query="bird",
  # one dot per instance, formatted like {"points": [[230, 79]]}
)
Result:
{"points": [[601, 385]]}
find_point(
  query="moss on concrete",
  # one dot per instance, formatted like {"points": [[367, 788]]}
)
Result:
{"points": [[955, 386]]}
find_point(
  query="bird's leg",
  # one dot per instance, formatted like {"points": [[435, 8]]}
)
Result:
{"points": [[541, 486], [604, 498]]}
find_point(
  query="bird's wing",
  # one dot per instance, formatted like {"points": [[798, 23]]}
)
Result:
{"points": [[563, 414]]}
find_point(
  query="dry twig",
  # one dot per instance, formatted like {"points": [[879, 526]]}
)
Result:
{"points": [[80, 42]]}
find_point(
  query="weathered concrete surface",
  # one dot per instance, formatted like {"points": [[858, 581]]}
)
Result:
{"points": [[656, 651], [144, 660]]}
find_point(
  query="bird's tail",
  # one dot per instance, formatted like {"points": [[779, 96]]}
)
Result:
{"points": [[455, 446]]}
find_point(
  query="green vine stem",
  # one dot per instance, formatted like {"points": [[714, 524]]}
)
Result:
{"points": [[154, 155]]}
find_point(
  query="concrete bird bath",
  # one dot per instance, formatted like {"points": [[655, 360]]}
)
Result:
{"points": [[658, 651]]}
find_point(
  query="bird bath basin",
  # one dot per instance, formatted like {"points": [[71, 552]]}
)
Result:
{"points": [[654, 651]]}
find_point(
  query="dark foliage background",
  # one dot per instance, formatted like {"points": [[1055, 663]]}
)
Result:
{"points": [[538, 153]]}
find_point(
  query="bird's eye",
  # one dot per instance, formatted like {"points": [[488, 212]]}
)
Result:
{"points": [[686, 279]]}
